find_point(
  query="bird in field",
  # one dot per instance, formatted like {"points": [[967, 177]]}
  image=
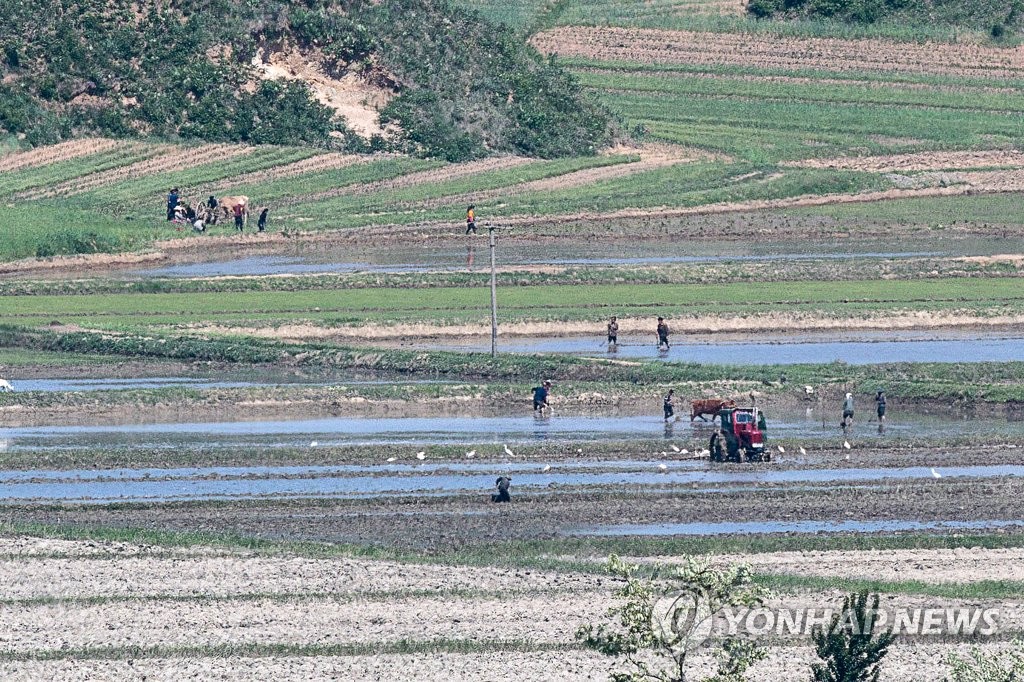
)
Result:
{"points": [[391, 459], [675, 448], [685, 452], [421, 455], [547, 467], [802, 451], [579, 451], [808, 390], [508, 452], [782, 449], [846, 444], [664, 454], [471, 454], [663, 467], [935, 474]]}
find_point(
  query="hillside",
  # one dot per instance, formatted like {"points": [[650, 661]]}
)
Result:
{"points": [[412, 75]]}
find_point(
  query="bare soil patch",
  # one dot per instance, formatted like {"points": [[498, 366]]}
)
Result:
{"points": [[784, 664], [963, 565], [64, 151], [349, 94], [920, 161], [655, 46]]}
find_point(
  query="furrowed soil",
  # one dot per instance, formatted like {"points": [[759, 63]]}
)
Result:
{"points": [[654, 46], [64, 151], [101, 600]]}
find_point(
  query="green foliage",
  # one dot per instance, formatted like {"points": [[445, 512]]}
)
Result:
{"points": [[122, 68], [850, 648], [1003, 666], [995, 16], [469, 87], [665, 617]]}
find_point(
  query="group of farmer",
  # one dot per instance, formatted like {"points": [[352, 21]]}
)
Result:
{"points": [[206, 213]]}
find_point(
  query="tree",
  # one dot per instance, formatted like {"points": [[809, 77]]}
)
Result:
{"points": [[850, 648], [668, 615]]}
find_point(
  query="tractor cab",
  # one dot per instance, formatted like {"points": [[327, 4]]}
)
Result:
{"points": [[742, 435]]}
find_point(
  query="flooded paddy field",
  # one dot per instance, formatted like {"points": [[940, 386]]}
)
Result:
{"points": [[368, 431], [774, 347], [473, 256], [461, 255]]}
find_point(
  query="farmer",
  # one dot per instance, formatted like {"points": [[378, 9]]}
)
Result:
{"points": [[471, 219], [662, 333], [261, 224], [172, 202], [540, 397], [880, 401], [848, 410], [503, 483], [211, 203], [239, 212], [613, 332], [669, 404]]}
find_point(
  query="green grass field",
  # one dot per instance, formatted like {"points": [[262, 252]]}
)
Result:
{"points": [[446, 305]]}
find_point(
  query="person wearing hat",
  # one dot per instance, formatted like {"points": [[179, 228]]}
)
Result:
{"points": [[172, 202]]}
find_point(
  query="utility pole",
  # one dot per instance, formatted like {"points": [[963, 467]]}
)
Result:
{"points": [[494, 296]]}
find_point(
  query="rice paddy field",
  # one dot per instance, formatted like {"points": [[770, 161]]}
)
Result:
{"points": [[271, 455]]}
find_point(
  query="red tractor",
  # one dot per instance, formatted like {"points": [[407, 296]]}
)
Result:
{"points": [[741, 436]]}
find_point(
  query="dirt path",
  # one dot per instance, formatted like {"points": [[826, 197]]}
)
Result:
{"points": [[65, 151], [654, 46]]}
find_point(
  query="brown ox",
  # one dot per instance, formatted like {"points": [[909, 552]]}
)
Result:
{"points": [[699, 408], [226, 207]]}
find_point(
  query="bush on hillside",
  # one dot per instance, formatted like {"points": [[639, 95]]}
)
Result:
{"points": [[464, 87], [982, 15]]}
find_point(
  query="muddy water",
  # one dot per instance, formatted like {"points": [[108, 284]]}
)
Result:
{"points": [[333, 431], [775, 349], [471, 258], [472, 255], [151, 485], [763, 527]]}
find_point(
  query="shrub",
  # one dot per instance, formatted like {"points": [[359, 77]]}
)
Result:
{"points": [[850, 649]]}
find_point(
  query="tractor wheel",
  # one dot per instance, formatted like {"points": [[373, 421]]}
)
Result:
{"points": [[734, 452], [715, 446]]}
